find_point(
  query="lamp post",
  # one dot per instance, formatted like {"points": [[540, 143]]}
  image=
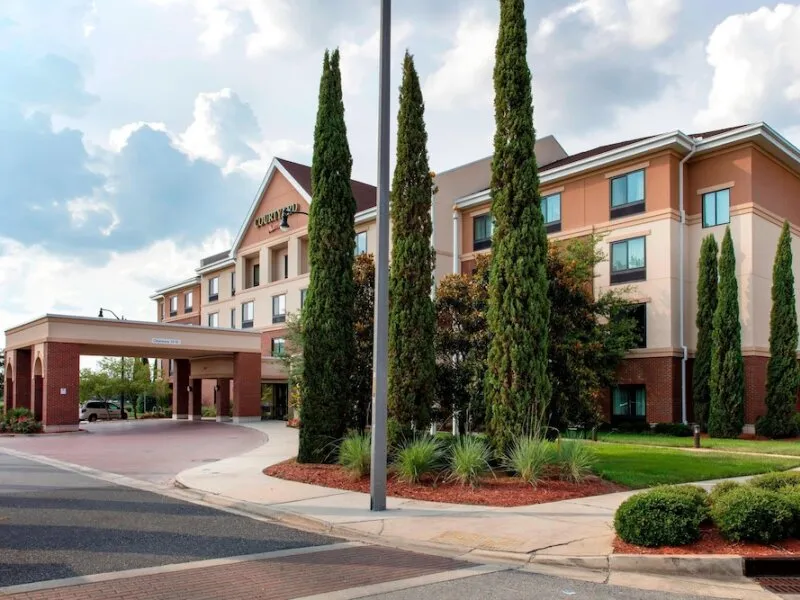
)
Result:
{"points": [[284, 225], [377, 481], [121, 362]]}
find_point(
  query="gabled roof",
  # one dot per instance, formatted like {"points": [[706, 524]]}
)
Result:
{"points": [[175, 287], [299, 176]]}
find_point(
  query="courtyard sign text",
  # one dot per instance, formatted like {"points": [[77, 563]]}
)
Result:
{"points": [[273, 216]]}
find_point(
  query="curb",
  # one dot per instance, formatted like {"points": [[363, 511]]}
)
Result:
{"points": [[726, 568]]}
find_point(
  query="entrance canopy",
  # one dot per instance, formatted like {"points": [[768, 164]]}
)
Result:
{"points": [[43, 363]]}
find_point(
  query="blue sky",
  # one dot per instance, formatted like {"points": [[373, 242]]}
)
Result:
{"points": [[134, 134]]}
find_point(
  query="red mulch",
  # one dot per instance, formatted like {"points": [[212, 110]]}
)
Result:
{"points": [[711, 542], [493, 491]]}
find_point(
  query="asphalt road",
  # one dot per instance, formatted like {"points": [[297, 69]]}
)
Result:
{"points": [[56, 524], [517, 585]]}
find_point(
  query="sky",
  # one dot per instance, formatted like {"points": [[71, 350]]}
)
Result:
{"points": [[134, 133]]}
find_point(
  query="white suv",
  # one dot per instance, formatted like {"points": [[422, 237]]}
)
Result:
{"points": [[98, 409]]}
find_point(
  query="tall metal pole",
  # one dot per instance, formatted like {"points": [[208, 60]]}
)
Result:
{"points": [[380, 376]]}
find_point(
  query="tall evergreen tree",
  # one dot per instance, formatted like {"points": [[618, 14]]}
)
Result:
{"points": [[412, 320], [328, 339], [783, 375], [706, 306], [726, 415], [517, 384]]}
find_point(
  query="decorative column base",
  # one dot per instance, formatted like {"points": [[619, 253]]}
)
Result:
{"points": [[60, 428], [179, 417], [223, 419], [246, 419], [195, 417]]}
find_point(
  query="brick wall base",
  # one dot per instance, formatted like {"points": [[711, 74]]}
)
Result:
{"points": [[60, 387], [661, 377]]}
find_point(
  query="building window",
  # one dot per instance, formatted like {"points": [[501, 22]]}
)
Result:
{"points": [[233, 318], [716, 208], [551, 211], [233, 283], [161, 309], [173, 306], [627, 194], [628, 403], [256, 275], [213, 320], [303, 294], [247, 314], [213, 289], [286, 266], [279, 308], [361, 243], [628, 261], [483, 227], [638, 312], [278, 346], [188, 302], [171, 366]]}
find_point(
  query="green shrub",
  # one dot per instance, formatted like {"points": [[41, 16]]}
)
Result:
{"points": [[673, 429], [659, 517], [528, 458], [776, 481], [418, 457], [355, 454], [21, 420], [753, 515], [721, 489], [633, 427], [792, 497], [469, 460], [796, 421], [209, 411], [574, 460], [695, 493]]}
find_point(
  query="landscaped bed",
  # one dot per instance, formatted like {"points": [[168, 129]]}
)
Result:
{"points": [[499, 490], [759, 518]]}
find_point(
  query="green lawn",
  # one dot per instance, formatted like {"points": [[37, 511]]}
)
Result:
{"points": [[640, 467], [766, 447]]}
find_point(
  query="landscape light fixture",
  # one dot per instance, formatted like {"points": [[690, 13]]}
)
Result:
{"points": [[285, 217]]}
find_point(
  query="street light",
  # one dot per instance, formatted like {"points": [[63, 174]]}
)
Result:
{"points": [[100, 314], [285, 217], [377, 482]]}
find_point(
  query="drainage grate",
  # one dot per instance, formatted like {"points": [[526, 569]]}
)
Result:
{"points": [[780, 585]]}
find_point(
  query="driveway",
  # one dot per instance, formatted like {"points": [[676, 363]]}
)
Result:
{"points": [[152, 450]]}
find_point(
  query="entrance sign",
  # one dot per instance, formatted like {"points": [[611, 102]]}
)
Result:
{"points": [[273, 216], [166, 341]]}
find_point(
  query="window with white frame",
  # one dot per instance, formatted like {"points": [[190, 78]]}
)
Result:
{"points": [[361, 242], [213, 289], [247, 314], [188, 302], [213, 319], [173, 306], [717, 208], [279, 308]]}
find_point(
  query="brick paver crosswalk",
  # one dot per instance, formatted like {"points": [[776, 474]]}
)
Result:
{"points": [[274, 579]]}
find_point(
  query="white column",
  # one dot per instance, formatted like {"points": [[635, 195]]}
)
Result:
{"points": [[456, 242]]}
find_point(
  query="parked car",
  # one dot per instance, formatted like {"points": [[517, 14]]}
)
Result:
{"points": [[99, 409]]}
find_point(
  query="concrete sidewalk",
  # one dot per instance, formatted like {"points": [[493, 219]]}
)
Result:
{"points": [[543, 533]]}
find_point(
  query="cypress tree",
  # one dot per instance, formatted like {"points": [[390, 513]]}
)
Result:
{"points": [[517, 383], [726, 415], [706, 305], [783, 375], [412, 320], [328, 339]]}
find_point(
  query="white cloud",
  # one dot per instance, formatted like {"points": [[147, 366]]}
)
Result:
{"points": [[360, 60], [756, 62], [81, 208], [465, 73], [643, 24], [46, 282], [269, 21], [118, 138], [222, 130]]}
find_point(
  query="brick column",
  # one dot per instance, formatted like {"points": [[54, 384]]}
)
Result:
{"points": [[60, 398], [180, 395], [38, 396], [196, 400], [246, 387], [223, 399], [9, 387], [22, 378]]}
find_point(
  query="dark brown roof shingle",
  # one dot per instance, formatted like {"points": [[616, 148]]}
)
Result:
{"points": [[364, 193]]}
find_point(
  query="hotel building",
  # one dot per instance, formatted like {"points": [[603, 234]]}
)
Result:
{"points": [[651, 200]]}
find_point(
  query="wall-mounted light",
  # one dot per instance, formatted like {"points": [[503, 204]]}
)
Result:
{"points": [[216, 388], [188, 388]]}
